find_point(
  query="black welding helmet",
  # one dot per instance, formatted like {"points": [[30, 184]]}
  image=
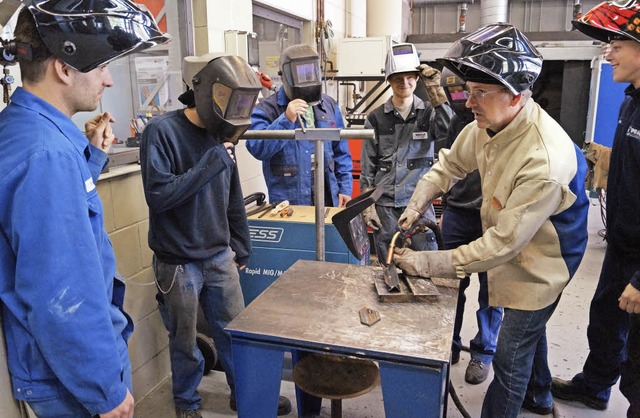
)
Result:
{"points": [[611, 20], [495, 54], [226, 91], [457, 94], [300, 71], [85, 34]]}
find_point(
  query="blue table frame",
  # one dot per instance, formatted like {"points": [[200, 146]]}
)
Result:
{"points": [[314, 307]]}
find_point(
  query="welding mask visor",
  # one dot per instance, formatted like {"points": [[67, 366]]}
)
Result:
{"points": [[457, 94], [226, 91], [300, 71], [86, 34]]}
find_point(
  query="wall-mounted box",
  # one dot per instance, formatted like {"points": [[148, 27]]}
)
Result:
{"points": [[362, 57]]}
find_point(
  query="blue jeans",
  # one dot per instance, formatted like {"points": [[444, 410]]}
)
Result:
{"points": [[610, 335], [389, 226], [460, 227], [67, 406], [520, 364], [213, 284]]}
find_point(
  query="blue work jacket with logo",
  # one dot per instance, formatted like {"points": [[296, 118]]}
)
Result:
{"points": [[61, 307], [287, 164]]}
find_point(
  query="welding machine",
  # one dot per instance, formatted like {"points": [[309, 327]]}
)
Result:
{"points": [[280, 239]]}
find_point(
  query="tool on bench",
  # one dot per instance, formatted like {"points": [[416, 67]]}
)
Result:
{"points": [[260, 203], [279, 207], [286, 212], [267, 209]]}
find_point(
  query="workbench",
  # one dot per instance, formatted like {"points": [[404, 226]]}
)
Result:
{"points": [[313, 307]]}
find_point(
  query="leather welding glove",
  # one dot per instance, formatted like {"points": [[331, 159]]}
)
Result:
{"points": [[371, 218], [421, 198], [431, 79], [425, 263]]}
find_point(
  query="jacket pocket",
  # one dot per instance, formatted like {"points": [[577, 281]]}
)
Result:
{"points": [[416, 163]]}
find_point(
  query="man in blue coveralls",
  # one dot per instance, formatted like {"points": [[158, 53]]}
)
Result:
{"points": [[64, 325], [288, 165]]}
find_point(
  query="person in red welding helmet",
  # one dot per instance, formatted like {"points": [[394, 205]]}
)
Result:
{"points": [[614, 322]]}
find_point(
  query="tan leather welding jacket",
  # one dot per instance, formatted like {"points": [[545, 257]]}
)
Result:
{"points": [[534, 208]]}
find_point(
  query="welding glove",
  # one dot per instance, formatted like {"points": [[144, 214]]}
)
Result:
{"points": [[425, 263], [421, 198], [431, 79], [371, 218]]}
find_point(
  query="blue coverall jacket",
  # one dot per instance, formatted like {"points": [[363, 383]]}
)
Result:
{"points": [[61, 306], [287, 164]]}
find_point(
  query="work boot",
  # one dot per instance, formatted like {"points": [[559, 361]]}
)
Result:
{"points": [[284, 404], [537, 408], [188, 413], [570, 391], [455, 357], [476, 372]]}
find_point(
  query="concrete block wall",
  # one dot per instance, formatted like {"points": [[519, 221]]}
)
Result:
{"points": [[127, 222]]}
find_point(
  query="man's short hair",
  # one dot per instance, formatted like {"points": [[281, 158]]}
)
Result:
{"points": [[26, 32]]}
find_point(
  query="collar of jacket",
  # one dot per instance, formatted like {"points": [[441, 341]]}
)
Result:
{"points": [[417, 104]]}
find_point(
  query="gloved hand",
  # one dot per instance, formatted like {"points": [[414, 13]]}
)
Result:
{"points": [[431, 79], [421, 198], [408, 217], [371, 218], [425, 263]]}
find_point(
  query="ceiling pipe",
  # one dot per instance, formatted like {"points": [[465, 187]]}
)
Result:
{"points": [[437, 2], [493, 11], [462, 27]]}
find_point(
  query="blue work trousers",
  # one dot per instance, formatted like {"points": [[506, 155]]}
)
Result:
{"points": [[389, 226], [213, 284], [460, 227], [520, 364], [612, 333]]}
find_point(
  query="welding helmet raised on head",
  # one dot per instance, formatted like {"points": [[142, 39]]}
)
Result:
{"points": [[226, 91], [495, 54], [457, 94], [300, 71], [86, 34], [611, 20], [401, 58]]}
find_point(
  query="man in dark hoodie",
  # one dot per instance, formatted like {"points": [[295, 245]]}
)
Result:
{"points": [[198, 227]]}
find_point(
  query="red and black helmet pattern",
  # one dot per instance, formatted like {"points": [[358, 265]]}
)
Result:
{"points": [[616, 19]]}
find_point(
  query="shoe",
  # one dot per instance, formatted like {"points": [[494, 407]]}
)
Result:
{"points": [[569, 391], [188, 413], [284, 405], [476, 372], [536, 408], [455, 357]]}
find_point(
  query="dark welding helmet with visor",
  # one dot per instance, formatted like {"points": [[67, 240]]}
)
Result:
{"points": [[495, 54], [226, 91], [86, 34], [456, 90], [611, 20], [300, 71]]}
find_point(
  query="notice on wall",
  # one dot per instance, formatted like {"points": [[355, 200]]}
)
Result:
{"points": [[152, 74]]}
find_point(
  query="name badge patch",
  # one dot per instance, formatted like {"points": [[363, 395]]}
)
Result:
{"points": [[420, 135], [633, 132]]}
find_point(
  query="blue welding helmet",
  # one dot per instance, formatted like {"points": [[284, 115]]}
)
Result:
{"points": [[226, 91], [300, 71], [86, 34], [495, 54]]}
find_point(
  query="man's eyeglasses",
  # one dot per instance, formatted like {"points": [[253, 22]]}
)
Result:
{"points": [[480, 95]]}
